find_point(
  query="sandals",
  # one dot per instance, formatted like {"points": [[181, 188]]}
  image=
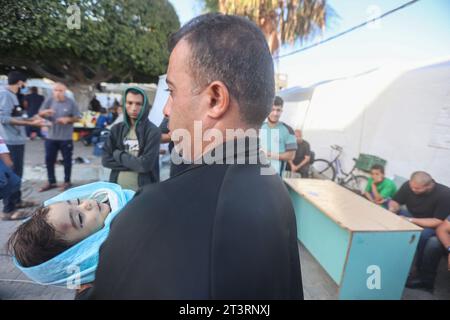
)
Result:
{"points": [[65, 186], [47, 187]]}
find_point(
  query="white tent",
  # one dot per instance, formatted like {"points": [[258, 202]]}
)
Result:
{"points": [[399, 114], [156, 115]]}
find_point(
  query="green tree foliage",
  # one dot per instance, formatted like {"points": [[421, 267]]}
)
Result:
{"points": [[117, 39]]}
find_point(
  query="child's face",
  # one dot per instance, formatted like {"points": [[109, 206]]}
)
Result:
{"points": [[76, 220], [377, 175]]}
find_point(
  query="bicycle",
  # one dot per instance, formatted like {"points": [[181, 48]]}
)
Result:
{"points": [[332, 170]]}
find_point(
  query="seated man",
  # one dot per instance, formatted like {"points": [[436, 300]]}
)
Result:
{"points": [[299, 167], [379, 189], [443, 233], [67, 232], [428, 204]]}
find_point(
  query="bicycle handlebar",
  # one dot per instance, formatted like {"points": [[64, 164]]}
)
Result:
{"points": [[336, 147]]}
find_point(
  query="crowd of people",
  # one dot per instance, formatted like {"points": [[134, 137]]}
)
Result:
{"points": [[198, 234]]}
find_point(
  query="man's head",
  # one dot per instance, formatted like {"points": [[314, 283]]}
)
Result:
{"points": [[34, 90], [299, 135], [421, 182], [59, 91], [220, 73], [53, 229], [277, 110], [377, 173], [134, 102], [17, 79]]}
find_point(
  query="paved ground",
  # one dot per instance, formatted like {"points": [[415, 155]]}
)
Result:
{"points": [[35, 163], [14, 285]]}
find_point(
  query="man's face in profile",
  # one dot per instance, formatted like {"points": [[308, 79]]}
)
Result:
{"points": [[186, 104], [22, 84]]}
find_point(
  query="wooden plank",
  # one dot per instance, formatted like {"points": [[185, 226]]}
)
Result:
{"points": [[347, 209]]}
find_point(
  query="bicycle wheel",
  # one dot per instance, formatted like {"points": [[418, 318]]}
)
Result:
{"points": [[322, 169], [357, 184]]}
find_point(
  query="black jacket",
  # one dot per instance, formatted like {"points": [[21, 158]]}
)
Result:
{"points": [[219, 231], [146, 164]]}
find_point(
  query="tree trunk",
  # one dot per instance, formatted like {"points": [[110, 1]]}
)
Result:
{"points": [[83, 95]]}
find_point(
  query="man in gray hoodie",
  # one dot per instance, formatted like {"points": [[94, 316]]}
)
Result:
{"points": [[12, 129]]}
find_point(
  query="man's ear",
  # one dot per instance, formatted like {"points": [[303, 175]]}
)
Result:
{"points": [[219, 99]]}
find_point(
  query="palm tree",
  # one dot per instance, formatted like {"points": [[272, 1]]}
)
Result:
{"points": [[282, 21]]}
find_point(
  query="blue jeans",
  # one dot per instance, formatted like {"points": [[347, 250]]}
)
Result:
{"points": [[9, 186], [432, 255], [428, 254], [51, 153], [17, 153]]}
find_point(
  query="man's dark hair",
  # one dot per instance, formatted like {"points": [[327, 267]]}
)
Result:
{"points": [[278, 101], [15, 76], [232, 50], [36, 241], [378, 167], [34, 90]]}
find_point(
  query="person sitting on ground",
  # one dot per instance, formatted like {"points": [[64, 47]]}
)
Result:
{"points": [[67, 231], [428, 204], [299, 167], [443, 233], [379, 189]]}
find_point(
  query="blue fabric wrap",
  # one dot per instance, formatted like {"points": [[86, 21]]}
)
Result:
{"points": [[77, 264]]}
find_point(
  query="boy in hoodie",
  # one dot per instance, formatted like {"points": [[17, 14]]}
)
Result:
{"points": [[132, 149]]}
